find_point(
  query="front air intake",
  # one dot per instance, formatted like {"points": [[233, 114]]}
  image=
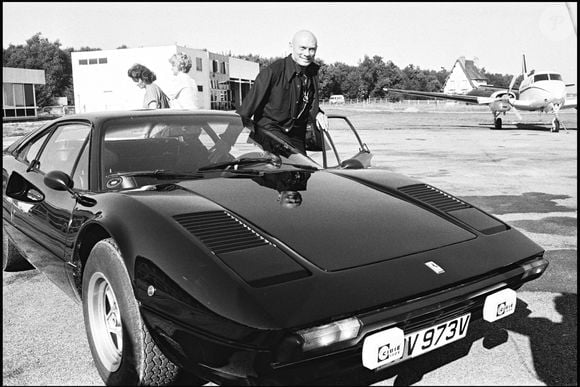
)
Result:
{"points": [[434, 197], [220, 231]]}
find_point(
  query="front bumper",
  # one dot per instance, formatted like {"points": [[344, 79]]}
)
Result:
{"points": [[278, 361]]}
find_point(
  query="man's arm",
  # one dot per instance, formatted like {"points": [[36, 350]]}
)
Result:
{"points": [[256, 98]]}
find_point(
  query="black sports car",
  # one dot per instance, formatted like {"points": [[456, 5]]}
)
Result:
{"points": [[194, 251]]}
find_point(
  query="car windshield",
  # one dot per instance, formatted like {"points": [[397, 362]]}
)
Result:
{"points": [[188, 145]]}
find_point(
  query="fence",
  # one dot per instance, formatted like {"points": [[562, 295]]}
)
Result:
{"points": [[421, 104]]}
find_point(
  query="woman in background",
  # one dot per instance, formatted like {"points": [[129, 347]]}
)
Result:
{"points": [[184, 94], [154, 97]]}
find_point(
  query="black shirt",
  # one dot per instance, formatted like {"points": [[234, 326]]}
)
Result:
{"points": [[276, 100]]}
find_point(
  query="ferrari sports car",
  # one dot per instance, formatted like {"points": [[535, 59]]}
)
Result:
{"points": [[196, 251]]}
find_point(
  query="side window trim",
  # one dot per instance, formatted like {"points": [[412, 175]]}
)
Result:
{"points": [[24, 145], [86, 147]]}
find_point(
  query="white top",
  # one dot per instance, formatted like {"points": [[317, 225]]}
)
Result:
{"points": [[184, 94]]}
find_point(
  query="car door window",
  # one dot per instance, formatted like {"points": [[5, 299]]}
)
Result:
{"points": [[63, 148], [30, 150], [341, 143], [344, 139]]}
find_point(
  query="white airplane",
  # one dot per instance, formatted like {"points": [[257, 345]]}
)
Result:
{"points": [[542, 91]]}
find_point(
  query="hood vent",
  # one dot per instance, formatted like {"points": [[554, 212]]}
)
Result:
{"points": [[434, 197], [220, 231]]}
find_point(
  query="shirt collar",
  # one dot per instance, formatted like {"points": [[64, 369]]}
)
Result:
{"points": [[292, 68]]}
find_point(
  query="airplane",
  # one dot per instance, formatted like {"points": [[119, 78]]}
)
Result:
{"points": [[542, 91]]}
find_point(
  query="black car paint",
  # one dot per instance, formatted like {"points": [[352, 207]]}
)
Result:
{"points": [[199, 299]]}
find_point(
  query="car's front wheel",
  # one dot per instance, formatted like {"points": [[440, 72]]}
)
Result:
{"points": [[122, 347]]}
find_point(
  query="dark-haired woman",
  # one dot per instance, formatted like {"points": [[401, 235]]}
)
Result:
{"points": [[154, 97]]}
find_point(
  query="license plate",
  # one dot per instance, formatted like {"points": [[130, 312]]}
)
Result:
{"points": [[420, 342], [393, 345]]}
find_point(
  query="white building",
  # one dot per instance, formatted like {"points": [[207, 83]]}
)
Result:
{"points": [[18, 95], [100, 78], [464, 77]]}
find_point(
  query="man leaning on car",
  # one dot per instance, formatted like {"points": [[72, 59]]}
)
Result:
{"points": [[284, 97]]}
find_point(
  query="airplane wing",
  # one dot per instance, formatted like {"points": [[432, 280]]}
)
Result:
{"points": [[570, 103], [456, 97]]}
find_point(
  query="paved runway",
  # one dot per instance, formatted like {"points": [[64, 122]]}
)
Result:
{"points": [[527, 177]]}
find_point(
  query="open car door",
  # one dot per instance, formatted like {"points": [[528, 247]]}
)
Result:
{"points": [[340, 147]]}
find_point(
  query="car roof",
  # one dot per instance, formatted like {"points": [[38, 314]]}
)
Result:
{"points": [[100, 115]]}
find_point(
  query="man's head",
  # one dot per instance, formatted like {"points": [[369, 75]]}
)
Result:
{"points": [[290, 199], [304, 45]]}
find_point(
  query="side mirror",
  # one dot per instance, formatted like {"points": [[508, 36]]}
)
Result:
{"points": [[58, 181], [61, 181]]}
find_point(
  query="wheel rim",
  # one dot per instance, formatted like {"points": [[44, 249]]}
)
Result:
{"points": [[105, 322]]}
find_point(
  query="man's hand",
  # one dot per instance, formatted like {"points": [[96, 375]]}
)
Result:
{"points": [[322, 121]]}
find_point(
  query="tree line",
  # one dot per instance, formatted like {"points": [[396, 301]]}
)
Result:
{"points": [[365, 80]]}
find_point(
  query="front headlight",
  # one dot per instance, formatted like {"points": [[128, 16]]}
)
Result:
{"points": [[325, 335]]}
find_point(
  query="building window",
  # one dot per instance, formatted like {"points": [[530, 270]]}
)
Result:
{"points": [[8, 94], [214, 67], [223, 67], [18, 100], [29, 96], [102, 60], [93, 61], [198, 64], [200, 88], [83, 61], [18, 95]]}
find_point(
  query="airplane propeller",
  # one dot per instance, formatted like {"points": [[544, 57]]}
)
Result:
{"points": [[511, 99]]}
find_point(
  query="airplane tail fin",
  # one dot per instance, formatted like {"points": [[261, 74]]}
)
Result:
{"points": [[524, 68]]}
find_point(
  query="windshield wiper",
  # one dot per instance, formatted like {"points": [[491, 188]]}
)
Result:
{"points": [[246, 161], [160, 174]]}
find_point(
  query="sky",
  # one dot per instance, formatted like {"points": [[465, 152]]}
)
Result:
{"points": [[429, 35]]}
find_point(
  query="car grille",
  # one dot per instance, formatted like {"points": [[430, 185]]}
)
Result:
{"points": [[434, 197], [220, 231]]}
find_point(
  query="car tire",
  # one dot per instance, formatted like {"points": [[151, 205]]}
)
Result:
{"points": [[12, 260], [122, 347]]}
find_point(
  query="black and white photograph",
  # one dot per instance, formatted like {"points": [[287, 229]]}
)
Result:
{"points": [[289, 193]]}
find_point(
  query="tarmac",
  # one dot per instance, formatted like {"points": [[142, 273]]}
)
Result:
{"points": [[524, 175]]}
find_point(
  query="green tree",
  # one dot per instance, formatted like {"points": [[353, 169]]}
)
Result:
{"points": [[40, 54], [334, 79], [501, 80]]}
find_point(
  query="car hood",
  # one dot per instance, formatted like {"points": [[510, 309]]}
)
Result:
{"points": [[354, 236], [340, 223]]}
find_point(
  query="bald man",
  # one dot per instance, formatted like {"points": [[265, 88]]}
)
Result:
{"points": [[284, 97]]}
